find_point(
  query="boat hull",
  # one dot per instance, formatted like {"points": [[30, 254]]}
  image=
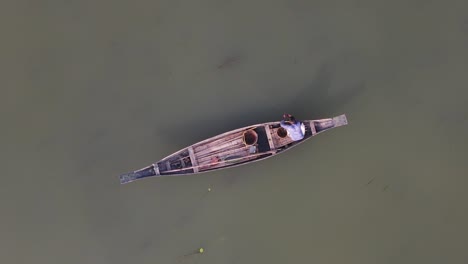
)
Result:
{"points": [[231, 149]]}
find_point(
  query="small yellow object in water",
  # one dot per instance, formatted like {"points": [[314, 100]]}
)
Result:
{"points": [[201, 250], [209, 189]]}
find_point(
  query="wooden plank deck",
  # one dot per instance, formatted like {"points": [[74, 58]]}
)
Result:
{"points": [[277, 140], [323, 124], [217, 161], [222, 146], [216, 142], [210, 154], [223, 154]]}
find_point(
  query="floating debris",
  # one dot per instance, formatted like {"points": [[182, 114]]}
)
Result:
{"points": [[229, 61], [370, 181]]}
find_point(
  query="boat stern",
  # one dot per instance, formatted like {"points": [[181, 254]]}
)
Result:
{"points": [[133, 176]]}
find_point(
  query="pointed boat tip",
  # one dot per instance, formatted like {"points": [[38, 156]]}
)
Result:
{"points": [[127, 177], [340, 120]]}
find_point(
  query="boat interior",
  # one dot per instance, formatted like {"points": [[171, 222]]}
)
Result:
{"points": [[231, 149]]}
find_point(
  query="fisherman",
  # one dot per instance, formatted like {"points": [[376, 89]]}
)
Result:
{"points": [[295, 128]]}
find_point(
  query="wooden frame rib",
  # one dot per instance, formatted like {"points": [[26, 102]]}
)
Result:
{"points": [[193, 159], [270, 139]]}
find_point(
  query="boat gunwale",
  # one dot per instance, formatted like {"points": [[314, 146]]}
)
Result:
{"points": [[268, 154]]}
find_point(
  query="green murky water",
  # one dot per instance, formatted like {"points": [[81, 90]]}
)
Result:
{"points": [[92, 89]]}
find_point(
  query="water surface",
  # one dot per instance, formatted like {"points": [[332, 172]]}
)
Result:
{"points": [[92, 89]]}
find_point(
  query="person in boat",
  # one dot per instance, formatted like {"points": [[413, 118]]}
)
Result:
{"points": [[295, 128]]}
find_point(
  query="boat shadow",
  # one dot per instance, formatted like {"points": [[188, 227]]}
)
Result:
{"points": [[314, 101]]}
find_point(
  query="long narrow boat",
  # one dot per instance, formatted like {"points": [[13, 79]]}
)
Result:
{"points": [[234, 148]]}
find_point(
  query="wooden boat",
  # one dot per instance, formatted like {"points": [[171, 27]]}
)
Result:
{"points": [[234, 148]]}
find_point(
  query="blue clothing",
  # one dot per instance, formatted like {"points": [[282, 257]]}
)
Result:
{"points": [[294, 131]]}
